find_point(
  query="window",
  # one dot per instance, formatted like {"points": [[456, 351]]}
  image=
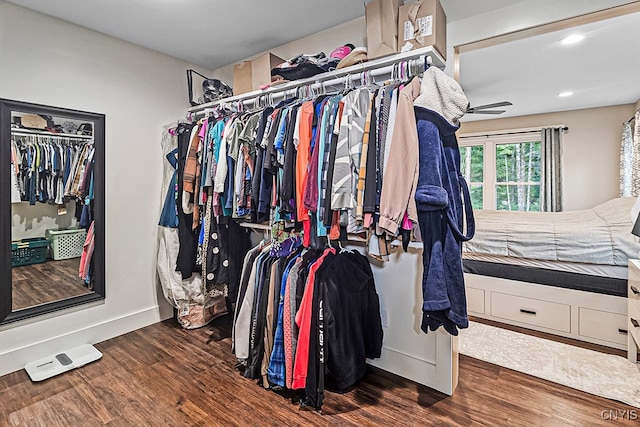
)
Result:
{"points": [[504, 172]]}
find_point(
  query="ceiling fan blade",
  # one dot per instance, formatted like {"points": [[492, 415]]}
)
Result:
{"points": [[495, 104], [473, 111]]}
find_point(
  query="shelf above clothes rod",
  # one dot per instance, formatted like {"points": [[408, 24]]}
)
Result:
{"points": [[326, 78]]}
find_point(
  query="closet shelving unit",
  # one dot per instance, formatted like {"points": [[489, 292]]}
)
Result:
{"points": [[377, 67], [428, 359], [411, 61]]}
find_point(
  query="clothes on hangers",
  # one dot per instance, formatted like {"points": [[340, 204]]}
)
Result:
{"points": [[195, 305], [51, 169], [443, 202], [306, 319], [315, 169], [87, 255]]}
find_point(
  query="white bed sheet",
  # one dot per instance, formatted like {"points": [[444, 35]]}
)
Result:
{"points": [[600, 235]]}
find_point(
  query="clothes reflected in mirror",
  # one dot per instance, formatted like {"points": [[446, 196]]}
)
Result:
{"points": [[52, 199]]}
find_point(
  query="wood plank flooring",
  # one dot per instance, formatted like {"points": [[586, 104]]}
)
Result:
{"points": [[162, 375], [46, 282]]}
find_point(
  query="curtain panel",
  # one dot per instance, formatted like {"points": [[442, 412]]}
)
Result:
{"points": [[626, 160], [551, 169], [630, 158]]}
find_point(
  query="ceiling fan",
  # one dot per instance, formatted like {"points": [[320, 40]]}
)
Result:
{"points": [[485, 109]]}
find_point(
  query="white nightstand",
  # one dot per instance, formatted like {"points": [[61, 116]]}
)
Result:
{"points": [[633, 296]]}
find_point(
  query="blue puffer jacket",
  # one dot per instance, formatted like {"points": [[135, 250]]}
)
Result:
{"points": [[442, 198]]}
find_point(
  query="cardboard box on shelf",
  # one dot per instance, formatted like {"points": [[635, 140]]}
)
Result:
{"points": [[382, 27], [250, 75], [242, 78], [421, 24]]}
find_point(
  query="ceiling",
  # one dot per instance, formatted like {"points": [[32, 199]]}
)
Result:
{"points": [[600, 70], [213, 34], [530, 73]]}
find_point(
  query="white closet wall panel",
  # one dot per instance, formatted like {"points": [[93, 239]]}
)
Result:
{"points": [[428, 359]]}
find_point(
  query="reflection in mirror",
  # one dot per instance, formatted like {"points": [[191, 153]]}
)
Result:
{"points": [[51, 208]]}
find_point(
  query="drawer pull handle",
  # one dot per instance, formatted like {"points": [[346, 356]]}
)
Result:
{"points": [[635, 290], [522, 310], [623, 331], [634, 322]]}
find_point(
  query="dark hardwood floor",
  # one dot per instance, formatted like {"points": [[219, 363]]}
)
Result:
{"points": [[163, 375], [46, 282]]}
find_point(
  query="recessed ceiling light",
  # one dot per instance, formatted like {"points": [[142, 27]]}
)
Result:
{"points": [[573, 39], [565, 94]]}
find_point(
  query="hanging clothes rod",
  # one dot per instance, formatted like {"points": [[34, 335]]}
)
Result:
{"points": [[26, 132], [412, 64], [410, 60]]}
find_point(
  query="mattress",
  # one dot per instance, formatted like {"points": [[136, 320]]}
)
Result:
{"points": [[544, 276], [596, 236], [601, 270]]}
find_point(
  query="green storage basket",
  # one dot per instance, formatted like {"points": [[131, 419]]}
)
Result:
{"points": [[29, 251], [67, 243]]}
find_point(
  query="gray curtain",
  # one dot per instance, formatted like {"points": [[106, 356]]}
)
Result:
{"points": [[551, 169], [630, 158]]}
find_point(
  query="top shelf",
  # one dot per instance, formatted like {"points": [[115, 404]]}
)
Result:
{"points": [[436, 60]]}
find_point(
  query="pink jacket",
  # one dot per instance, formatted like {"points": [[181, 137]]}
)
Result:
{"points": [[401, 172]]}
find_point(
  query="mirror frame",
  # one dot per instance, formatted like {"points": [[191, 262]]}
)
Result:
{"points": [[6, 313]]}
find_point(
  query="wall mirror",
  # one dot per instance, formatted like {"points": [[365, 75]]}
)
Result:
{"points": [[52, 202]]}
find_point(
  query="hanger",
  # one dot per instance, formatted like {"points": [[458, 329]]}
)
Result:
{"points": [[367, 81]]}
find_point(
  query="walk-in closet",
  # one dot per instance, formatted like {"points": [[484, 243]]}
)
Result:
{"points": [[319, 213]]}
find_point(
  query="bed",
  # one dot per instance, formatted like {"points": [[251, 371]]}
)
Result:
{"points": [[570, 265]]}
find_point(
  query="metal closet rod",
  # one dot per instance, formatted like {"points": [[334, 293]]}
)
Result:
{"points": [[37, 134], [406, 67]]}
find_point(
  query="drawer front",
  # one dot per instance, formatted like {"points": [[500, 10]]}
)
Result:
{"points": [[633, 291], [634, 319], [546, 314], [602, 325], [475, 300]]}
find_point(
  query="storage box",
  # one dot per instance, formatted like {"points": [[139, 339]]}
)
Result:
{"points": [[29, 251], [66, 243], [382, 27], [250, 75], [242, 78], [421, 24]]}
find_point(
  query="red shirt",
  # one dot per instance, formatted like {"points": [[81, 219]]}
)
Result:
{"points": [[303, 320]]}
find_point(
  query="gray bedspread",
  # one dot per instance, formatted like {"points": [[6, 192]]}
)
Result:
{"points": [[600, 235]]}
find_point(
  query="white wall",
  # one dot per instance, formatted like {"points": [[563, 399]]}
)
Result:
{"points": [[33, 221], [48, 61], [590, 149]]}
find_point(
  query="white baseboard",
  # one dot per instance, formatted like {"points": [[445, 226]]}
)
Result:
{"points": [[16, 358]]}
